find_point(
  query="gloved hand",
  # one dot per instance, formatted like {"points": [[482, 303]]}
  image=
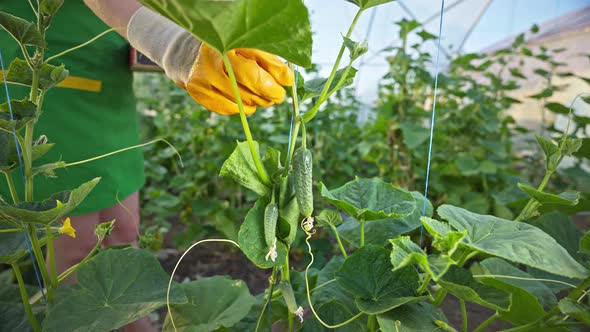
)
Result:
{"points": [[200, 70]]}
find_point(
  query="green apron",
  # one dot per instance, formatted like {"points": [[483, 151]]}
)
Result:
{"points": [[91, 114]]}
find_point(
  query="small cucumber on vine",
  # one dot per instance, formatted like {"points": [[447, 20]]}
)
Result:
{"points": [[271, 216], [288, 295], [302, 170]]}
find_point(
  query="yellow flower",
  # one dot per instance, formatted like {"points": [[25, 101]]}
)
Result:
{"points": [[67, 228]]}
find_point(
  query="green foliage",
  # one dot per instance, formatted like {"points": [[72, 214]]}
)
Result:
{"points": [[380, 231], [19, 72], [252, 240], [240, 167], [25, 33], [384, 280], [368, 276], [212, 303], [370, 199], [416, 317], [313, 88], [513, 241], [23, 111], [49, 210], [111, 288], [263, 24]]}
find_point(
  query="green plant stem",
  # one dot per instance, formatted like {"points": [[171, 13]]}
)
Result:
{"points": [[303, 135], [83, 44], [463, 316], [245, 126], [296, 125], [323, 95], [126, 149], [11, 187], [25, 298], [286, 275], [64, 275], [486, 323], [11, 230], [439, 297], [424, 284], [51, 256], [344, 254], [568, 324], [272, 282], [36, 247], [372, 323], [27, 156], [362, 233]]}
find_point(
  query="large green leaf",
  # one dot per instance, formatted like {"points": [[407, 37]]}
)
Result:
{"points": [[499, 267], [277, 27], [570, 198], [370, 199], [12, 245], [240, 167], [564, 231], [20, 73], [26, 33], [367, 275], [414, 317], [407, 253], [524, 306], [23, 111], [364, 4], [460, 283], [514, 241], [49, 210], [251, 238], [379, 232], [212, 303], [115, 287]]}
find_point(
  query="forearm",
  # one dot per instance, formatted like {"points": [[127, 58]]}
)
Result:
{"points": [[115, 13]]}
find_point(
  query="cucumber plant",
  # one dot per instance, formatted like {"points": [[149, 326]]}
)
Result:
{"points": [[530, 275], [383, 280]]}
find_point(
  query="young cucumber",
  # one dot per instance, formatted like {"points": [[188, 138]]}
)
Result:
{"points": [[271, 216], [302, 169]]}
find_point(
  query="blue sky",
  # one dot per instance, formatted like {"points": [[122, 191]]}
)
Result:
{"points": [[502, 19]]}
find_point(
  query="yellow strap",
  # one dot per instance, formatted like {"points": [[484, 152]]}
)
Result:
{"points": [[80, 83]]}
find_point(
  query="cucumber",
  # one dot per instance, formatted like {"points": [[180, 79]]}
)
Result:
{"points": [[271, 216], [302, 170], [288, 295]]}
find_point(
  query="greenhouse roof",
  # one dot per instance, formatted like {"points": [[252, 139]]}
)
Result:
{"points": [[468, 26]]}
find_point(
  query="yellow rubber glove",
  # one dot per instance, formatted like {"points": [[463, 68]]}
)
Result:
{"points": [[260, 76], [200, 70]]}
